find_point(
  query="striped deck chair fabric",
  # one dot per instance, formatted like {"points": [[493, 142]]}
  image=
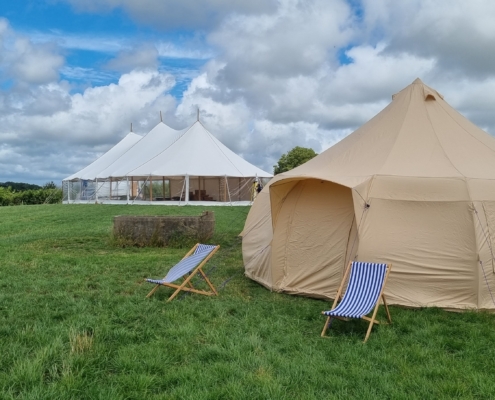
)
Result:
{"points": [[192, 261], [363, 293]]}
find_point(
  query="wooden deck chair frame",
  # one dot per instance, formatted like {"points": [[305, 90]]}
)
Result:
{"points": [[186, 285], [372, 320]]}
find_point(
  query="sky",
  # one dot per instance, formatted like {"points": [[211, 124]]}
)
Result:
{"points": [[266, 75]]}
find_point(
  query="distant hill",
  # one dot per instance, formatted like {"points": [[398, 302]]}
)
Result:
{"points": [[19, 186]]}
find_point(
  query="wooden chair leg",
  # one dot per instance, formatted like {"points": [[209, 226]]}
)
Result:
{"points": [[189, 283], [386, 309], [372, 322], [369, 330], [325, 327], [208, 282], [152, 291], [186, 281]]}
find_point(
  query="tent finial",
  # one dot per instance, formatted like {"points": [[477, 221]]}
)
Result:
{"points": [[161, 119], [197, 115], [131, 126]]}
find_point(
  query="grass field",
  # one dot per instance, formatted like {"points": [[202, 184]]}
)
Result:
{"points": [[74, 323]]}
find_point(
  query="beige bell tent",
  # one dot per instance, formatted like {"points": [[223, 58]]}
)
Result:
{"points": [[414, 186]]}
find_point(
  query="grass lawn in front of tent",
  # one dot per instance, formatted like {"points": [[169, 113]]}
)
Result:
{"points": [[74, 323]]}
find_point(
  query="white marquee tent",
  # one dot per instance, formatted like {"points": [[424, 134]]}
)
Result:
{"points": [[167, 166]]}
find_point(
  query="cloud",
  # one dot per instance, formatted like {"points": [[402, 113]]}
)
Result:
{"points": [[35, 65], [171, 14], [25, 62], [59, 132], [273, 75], [104, 43], [193, 49], [145, 56], [312, 72], [459, 34]]}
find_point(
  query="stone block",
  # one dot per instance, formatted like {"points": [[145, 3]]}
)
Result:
{"points": [[160, 230]]}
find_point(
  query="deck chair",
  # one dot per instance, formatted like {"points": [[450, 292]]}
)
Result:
{"points": [[190, 265], [364, 290]]}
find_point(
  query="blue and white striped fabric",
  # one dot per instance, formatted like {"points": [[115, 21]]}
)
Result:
{"points": [[362, 292], [186, 265]]}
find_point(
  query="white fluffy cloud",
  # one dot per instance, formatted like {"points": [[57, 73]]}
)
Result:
{"points": [[313, 71], [25, 62], [459, 34], [49, 132], [280, 74]]}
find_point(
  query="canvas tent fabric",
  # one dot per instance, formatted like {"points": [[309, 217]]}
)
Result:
{"points": [[188, 166], [108, 158], [206, 156], [414, 187], [159, 138]]}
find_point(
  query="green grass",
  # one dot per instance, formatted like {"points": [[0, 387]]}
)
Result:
{"points": [[74, 323]]}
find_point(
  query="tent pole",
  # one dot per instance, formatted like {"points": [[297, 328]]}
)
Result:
{"points": [[110, 188], [186, 195], [68, 192], [133, 189], [228, 189], [96, 193], [225, 190], [127, 180], [151, 189]]}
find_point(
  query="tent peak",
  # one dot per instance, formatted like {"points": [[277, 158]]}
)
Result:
{"points": [[418, 86]]}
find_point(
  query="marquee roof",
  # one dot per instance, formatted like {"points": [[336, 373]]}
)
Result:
{"points": [[198, 153], [90, 171]]}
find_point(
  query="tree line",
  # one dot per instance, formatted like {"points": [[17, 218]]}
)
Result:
{"points": [[18, 193]]}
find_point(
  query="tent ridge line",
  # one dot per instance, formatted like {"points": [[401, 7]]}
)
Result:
{"points": [[210, 135], [400, 128], [128, 150], [100, 157], [440, 142], [460, 126], [156, 155]]}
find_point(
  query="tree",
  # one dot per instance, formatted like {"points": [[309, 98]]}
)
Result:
{"points": [[49, 185], [293, 158]]}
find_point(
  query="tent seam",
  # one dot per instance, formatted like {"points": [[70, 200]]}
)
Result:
{"points": [[443, 150], [227, 157], [166, 148], [282, 283], [466, 131], [400, 128]]}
